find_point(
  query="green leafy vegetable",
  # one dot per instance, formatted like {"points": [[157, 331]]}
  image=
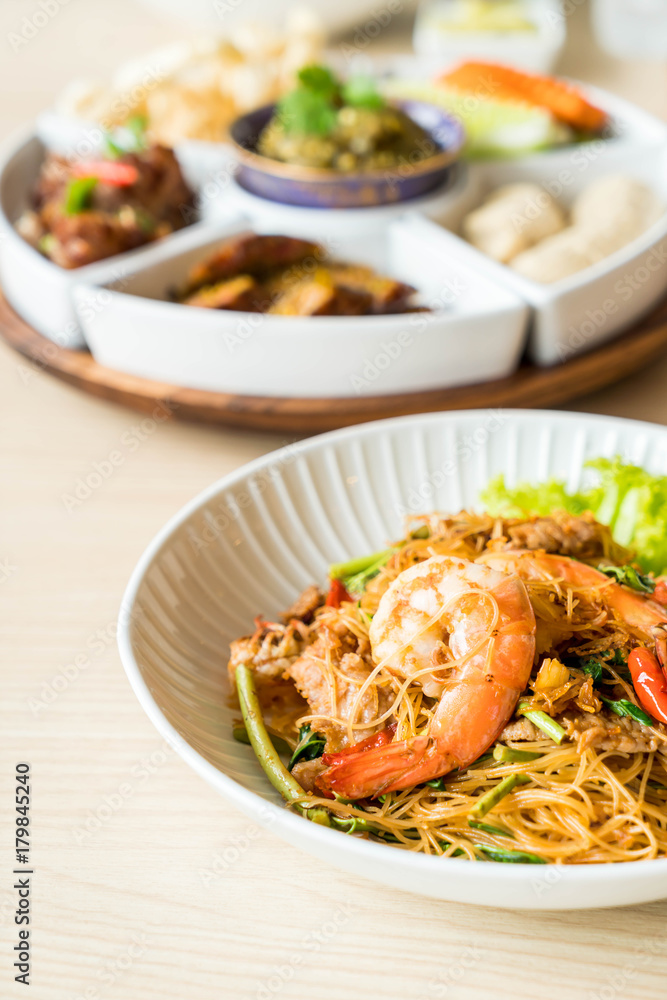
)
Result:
{"points": [[422, 532], [319, 80], [137, 126], [306, 112], [593, 668], [629, 576], [112, 150], [361, 92], [627, 498], [129, 138], [624, 707], [309, 747], [544, 722], [510, 857], [78, 194], [312, 107], [526, 498]]}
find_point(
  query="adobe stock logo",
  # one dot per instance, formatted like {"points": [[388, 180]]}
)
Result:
{"points": [[31, 26]]}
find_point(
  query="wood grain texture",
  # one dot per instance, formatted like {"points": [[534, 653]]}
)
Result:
{"points": [[529, 386], [174, 896]]}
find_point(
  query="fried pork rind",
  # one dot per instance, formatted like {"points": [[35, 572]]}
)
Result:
{"points": [[195, 89]]}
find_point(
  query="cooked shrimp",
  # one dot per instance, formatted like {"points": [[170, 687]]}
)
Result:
{"points": [[465, 633], [644, 616]]}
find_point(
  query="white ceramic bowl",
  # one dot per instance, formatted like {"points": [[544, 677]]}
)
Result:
{"points": [[253, 540], [39, 290], [475, 332], [592, 306]]}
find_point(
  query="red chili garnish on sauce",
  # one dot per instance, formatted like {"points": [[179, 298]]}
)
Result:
{"points": [[108, 172], [337, 594]]}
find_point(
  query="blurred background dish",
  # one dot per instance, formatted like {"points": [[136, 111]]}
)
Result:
{"points": [[475, 329], [336, 154], [194, 89], [528, 34], [343, 14], [631, 29], [402, 179]]}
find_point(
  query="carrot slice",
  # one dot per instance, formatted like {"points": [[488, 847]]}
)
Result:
{"points": [[492, 81]]}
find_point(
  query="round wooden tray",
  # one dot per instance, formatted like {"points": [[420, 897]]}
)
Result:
{"points": [[529, 386]]}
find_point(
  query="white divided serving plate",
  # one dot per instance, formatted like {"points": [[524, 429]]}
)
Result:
{"points": [[37, 289], [594, 305], [568, 317], [475, 332], [223, 197], [251, 542]]}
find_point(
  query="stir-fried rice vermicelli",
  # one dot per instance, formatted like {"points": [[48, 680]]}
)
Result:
{"points": [[574, 772]]}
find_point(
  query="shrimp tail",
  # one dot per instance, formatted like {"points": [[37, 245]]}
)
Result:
{"points": [[380, 739], [371, 772]]}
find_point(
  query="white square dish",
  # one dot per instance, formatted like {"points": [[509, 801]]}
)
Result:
{"points": [[475, 332], [594, 305], [38, 289]]}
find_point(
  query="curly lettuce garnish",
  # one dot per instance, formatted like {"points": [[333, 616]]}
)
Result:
{"points": [[626, 497]]}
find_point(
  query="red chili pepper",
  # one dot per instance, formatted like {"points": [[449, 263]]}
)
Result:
{"points": [[337, 594], [649, 682], [660, 592], [108, 172]]}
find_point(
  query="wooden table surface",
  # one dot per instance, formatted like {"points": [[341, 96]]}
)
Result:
{"points": [[147, 886]]}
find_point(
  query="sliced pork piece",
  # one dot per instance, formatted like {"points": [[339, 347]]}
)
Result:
{"points": [[305, 605], [311, 672], [240, 293], [321, 296], [387, 294], [250, 253]]}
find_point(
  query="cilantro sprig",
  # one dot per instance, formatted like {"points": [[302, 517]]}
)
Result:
{"points": [[312, 107], [629, 576]]}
